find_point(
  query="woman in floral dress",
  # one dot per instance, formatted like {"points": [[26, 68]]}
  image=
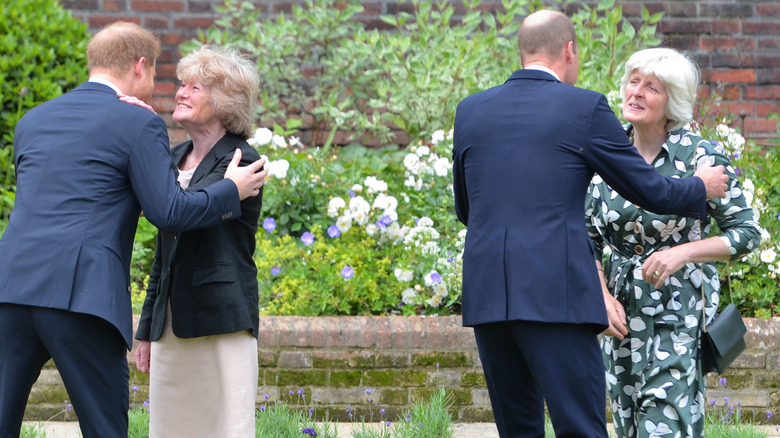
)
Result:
{"points": [[660, 265]]}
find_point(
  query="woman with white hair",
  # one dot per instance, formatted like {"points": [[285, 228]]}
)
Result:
{"points": [[199, 322], [660, 272]]}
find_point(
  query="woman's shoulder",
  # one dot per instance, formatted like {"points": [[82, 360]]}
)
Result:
{"points": [[248, 152], [687, 139]]}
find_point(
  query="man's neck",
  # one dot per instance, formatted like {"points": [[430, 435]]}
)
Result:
{"points": [[541, 67]]}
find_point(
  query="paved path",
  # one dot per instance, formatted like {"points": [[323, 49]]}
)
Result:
{"points": [[56, 429]]}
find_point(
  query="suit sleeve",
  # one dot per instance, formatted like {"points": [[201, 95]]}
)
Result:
{"points": [[164, 203], [459, 178], [621, 166]]}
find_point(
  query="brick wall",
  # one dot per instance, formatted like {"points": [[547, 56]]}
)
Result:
{"points": [[736, 42], [404, 359]]}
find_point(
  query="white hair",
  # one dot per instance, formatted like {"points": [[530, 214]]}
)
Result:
{"points": [[679, 74]]}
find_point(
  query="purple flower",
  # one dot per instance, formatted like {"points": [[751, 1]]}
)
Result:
{"points": [[334, 232], [309, 431], [275, 270], [269, 224], [262, 408], [386, 220], [351, 193], [722, 381], [266, 396], [135, 389], [435, 277], [369, 391], [381, 225], [382, 411], [347, 272], [769, 414], [778, 217], [307, 238], [387, 424]]}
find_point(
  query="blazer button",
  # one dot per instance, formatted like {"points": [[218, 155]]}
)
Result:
{"points": [[129, 289], [639, 249], [637, 228]]}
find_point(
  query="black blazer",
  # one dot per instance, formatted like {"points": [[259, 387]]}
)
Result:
{"points": [[208, 275]]}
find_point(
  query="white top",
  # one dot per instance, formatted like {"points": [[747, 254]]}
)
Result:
{"points": [[185, 176]]}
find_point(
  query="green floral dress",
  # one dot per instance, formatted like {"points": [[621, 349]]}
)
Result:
{"points": [[653, 375]]}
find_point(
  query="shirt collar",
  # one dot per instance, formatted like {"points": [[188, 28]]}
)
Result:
{"points": [[105, 82], [544, 69]]}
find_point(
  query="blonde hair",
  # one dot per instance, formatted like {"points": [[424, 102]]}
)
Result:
{"points": [[679, 74], [234, 84], [119, 45]]}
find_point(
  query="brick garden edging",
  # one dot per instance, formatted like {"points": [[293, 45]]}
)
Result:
{"points": [[404, 359]]}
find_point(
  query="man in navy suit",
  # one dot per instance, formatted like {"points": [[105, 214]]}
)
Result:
{"points": [[524, 153], [87, 163]]}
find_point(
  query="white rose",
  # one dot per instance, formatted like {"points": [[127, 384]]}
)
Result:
{"points": [[403, 274], [423, 151], [279, 141], [437, 136], [263, 136], [278, 168], [442, 166], [344, 223], [411, 162], [409, 296]]}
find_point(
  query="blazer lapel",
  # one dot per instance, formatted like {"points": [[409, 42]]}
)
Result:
{"points": [[225, 145]]}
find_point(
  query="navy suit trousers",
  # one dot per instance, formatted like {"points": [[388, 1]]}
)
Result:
{"points": [[90, 355], [529, 363]]}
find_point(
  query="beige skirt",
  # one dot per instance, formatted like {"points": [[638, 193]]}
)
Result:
{"points": [[203, 387]]}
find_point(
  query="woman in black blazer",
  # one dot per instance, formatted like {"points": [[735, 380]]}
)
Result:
{"points": [[199, 322]]}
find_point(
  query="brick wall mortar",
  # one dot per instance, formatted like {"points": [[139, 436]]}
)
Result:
{"points": [[735, 43], [337, 375]]}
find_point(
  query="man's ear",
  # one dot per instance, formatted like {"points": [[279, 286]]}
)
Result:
{"points": [[138, 67], [570, 52]]}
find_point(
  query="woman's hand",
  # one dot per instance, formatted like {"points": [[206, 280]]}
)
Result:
{"points": [[616, 315], [142, 355], [662, 264]]}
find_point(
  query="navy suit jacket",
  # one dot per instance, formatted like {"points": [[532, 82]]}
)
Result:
{"points": [[524, 153], [208, 275], [86, 165]]}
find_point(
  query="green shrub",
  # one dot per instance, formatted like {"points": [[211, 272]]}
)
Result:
{"points": [[320, 63], [752, 281], [42, 55]]}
